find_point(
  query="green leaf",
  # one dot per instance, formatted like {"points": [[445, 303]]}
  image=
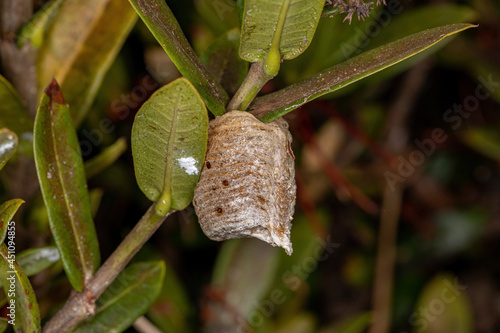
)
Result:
{"points": [[169, 141], [14, 115], [107, 157], [171, 310], [277, 29], [79, 47], [445, 300], [33, 31], [33, 261], [279, 103], [299, 323], [419, 19], [95, 197], [7, 211], [61, 175], [235, 274], [356, 324], [19, 292], [163, 25], [483, 140], [221, 59], [127, 298], [383, 26], [8, 145]]}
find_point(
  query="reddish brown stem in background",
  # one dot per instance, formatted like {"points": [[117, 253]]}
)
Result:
{"points": [[357, 133], [333, 172]]}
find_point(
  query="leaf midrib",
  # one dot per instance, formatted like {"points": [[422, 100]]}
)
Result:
{"points": [[67, 203]]}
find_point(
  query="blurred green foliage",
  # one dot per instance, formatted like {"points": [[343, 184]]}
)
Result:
{"points": [[449, 223]]}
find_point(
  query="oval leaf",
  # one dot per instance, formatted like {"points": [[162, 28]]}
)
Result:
{"points": [[279, 103], [445, 299], [61, 175], [127, 298], [19, 292], [79, 47], [169, 141], [33, 261], [170, 311], [8, 145], [14, 115], [7, 212], [163, 25], [107, 157], [221, 59], [241, 284], [274, 30]]}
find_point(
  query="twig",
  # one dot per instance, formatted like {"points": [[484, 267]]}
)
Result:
{"points": [[334, 175], [82, 305], [250, 87], [386, 255]]}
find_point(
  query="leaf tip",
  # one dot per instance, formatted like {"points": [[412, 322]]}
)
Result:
{"points": [[54, 92]]}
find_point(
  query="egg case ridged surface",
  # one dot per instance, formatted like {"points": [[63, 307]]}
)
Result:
{"points": [[247, 184]]}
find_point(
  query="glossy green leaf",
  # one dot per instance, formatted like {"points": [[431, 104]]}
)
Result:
{"points": [[235, 274], [127, 298], [14, 115], [79, 47], [7, 211], [33, 261], [19, 291], [444, 298], [171, 310], [384, 25], [8, 145], [277, 29], [484, 140], [61, 175], [163, 25], [33, 31], [277, 104], [221, 59], [107, 157], [419, 19], [169, 141], [3, 325]]}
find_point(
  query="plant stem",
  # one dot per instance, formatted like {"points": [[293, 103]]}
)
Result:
{"points": [[253, 83], [82, 305]]}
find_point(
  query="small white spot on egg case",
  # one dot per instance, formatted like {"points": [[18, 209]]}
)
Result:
{"points": [[188, 164]]}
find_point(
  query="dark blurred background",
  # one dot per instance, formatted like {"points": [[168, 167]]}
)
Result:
{"points": [[398, 210]]}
